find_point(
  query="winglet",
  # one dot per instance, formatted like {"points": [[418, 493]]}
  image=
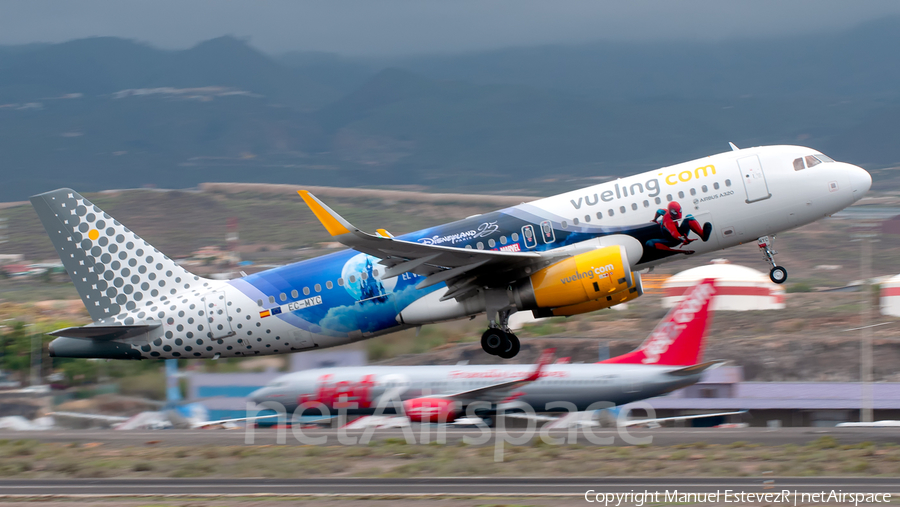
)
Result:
{"points": [[334, 223], [545, 359]]}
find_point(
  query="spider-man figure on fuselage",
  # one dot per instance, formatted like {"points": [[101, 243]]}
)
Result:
{"points": [[674, 234]]}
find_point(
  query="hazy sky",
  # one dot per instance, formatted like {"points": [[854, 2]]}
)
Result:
{"points": [[388, 27]]}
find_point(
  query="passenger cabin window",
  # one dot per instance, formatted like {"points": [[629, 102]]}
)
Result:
{"points": [[318, 287], [295, 294], [727, 183], [610, 212], [283, 296], [693, 191], [587, 218], [271, 299], [657, 200], [669, 197], [492, 243], [515, 236], [341, 282], [680, 194], [704, 188], [646, 204], [329, 284], [306, 289], [599, 215], [564, 224], [621, 209], [634, 206], [716, 185], [502, 240], [574, 221]]}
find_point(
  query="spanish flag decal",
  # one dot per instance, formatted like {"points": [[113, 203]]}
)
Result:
{"points": [[265, 314]]}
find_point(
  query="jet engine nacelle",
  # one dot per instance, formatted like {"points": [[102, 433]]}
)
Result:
{"points": [[597, 304], [589, 276], [430, 410]]}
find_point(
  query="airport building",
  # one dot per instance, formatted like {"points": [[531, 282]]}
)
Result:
{"points": [[777, 403], [890, 297], [738, 288]]}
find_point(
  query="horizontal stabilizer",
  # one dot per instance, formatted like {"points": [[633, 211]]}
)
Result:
{"points": [[696, 369], [104, 332]]}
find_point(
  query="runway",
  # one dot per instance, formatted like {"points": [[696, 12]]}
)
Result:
{"points": [[466, 487], [611, 436]]}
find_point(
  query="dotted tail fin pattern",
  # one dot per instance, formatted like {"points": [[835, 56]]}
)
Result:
{"points": [[113, 269]]}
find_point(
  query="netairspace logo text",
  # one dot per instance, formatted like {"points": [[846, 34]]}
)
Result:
{"points": [[639, 498]]}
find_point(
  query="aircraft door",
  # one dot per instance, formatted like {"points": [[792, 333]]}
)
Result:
{"points": [[547, 232], [528, 236], [216, 308], [754, 179]]}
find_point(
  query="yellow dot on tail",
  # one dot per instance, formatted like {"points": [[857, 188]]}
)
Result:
{"points": [[94, 234]]}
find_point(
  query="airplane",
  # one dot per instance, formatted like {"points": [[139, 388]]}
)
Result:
{"points": [[572, 253], [668, 359]]}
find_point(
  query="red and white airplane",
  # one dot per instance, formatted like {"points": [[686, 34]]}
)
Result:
{"points": [[669, 359]]}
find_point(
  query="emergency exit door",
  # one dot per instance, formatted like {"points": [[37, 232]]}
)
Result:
{"points": [[754, 179], [216, 310]]}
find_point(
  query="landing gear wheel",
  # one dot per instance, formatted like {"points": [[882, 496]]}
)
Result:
{"points": [[493, 341], [778, 274], [512, 347]]}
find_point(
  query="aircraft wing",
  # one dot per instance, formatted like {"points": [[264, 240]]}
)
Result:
{"points": [[93, 417], [204, 424], [655, 423], [459, 267], [496, 393]]}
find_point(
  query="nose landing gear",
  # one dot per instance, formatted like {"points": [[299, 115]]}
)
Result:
{"points": [[777, 274]]}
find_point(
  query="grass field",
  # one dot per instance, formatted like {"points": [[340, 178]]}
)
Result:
{"points": [[396, 458]]}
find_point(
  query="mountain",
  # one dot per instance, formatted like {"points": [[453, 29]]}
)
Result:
{"points": [[860, 63], [105, 113]]}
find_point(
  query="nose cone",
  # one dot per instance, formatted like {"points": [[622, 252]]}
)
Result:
{"points": [[258, 396], [860, 182]]}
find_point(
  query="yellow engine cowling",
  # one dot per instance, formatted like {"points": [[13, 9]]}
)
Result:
{"points": [[597, 304], [586, 277]]}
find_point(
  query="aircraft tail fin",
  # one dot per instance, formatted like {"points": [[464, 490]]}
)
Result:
{"points": [[113, 269], [678, 339]]}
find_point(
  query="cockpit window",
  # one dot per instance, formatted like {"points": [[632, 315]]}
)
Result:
{"points": [[810, 161]]}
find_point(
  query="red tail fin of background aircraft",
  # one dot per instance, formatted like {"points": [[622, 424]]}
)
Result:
{"points": [[678, 339]]}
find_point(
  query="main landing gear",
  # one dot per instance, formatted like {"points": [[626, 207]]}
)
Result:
{"points": [[777, 274], [500, 343], [499, 340]]}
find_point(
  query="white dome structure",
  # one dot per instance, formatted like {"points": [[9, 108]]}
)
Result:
{"points": [[738, 288], [890, 297]]}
